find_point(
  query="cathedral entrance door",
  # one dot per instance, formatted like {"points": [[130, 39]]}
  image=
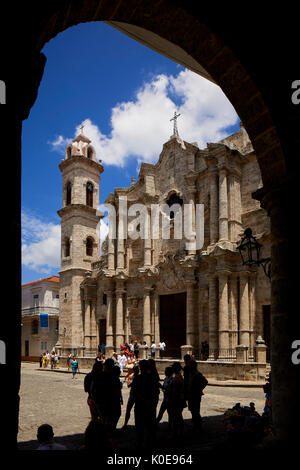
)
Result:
{"points": [[102, 331], [173, 323]]}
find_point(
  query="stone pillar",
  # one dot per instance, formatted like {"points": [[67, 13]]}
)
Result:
{"points": [[252, 311], [147, 316], [223, 315], [109, 323], [241, 353], [260, 350], [233, 305], [223, 205], [213, 317], [148, 243], [111, 254], [191, 191], [244, 335], [213, 191], [120, 291], [285, 320], [120, 241], [201, 292], [190, 313], [93, 343], [156, 324], [87, 324]]}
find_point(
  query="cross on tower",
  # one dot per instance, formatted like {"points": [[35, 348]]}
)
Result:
{"points": [[175, 130]]}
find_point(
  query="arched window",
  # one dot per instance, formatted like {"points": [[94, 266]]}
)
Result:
{"points": [[68, 193], [67, 247], [89, 194], [174, 199], [89, 246], [34, 327]]}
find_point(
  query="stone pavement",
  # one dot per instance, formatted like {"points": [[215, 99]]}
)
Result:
{"points": [[57, 399]]}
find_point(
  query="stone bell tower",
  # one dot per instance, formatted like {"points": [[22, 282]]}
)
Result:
{"points": [[80, 244]]}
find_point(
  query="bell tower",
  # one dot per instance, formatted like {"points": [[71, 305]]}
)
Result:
{"points": [[80, 244]]}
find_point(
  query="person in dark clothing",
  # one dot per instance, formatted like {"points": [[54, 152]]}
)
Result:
{"points": [[136, 350], [145, 391], [196, 383], [176, 402], [130, 402], [41, 360], [187, 359], [165, 388], [107, 394], [88, 387]]}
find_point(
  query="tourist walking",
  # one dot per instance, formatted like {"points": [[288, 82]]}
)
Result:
{"points": [[145, 393], [41, 360], [132, 373], [75, 367], [165, 388], [52, 359], [122, 361], [44, 360], [48, 357], [162, 347], [196, 384], [176, 402]]}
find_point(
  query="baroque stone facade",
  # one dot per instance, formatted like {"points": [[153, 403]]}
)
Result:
{"points": [[156, 289]]}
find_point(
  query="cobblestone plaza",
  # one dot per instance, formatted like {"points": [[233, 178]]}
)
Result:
{"points": [[57, 399]]}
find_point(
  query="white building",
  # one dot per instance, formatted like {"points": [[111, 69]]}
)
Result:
{"points": [[40, 313]]}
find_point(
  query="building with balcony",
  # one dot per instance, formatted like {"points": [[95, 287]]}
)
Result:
{"points": [[40, 314]]}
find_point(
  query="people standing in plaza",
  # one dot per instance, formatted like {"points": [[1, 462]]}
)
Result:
{"points": [[41, 360], [153, 349], [103, 348], [48, 357], [165, 388], [145, 393], [136, 350], [196, 384], [56, 360], [69, 359], [186, 370], [132, 373], [146, 347], [176, 402], [162, 347], [52, 360], [75, 367], [107, 394], [88, 387], [122, 361], [44, 360]]}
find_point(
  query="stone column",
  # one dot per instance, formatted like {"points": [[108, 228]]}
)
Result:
{"points": [[109, 323], [244, 309], [111, 254], [156, 324], [223, 205], [252, 311], [120, 291], [94, 343], [213, 191], [87, 324], [231, 207], [223, 315], [191, 191], [148, 243], [190, 313], [147, 316], [201, 292], [233, 305], [213, 317], [120, 241]]}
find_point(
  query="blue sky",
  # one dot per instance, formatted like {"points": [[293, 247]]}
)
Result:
{"points": [[125, 94]]}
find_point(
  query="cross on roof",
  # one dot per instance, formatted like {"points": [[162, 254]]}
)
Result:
{"points": [[174, 118]]}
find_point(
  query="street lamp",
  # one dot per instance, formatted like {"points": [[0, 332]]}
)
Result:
{"points": [[249, 249]]}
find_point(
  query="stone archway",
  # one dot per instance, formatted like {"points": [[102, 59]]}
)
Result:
{"points": [[193, 36]]}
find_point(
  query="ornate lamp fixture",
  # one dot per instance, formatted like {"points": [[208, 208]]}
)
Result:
{"points": [[249, 249]]}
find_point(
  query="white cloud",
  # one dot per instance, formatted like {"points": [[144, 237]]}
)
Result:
{"points": [[140, 127], [40, 244], [59, 144]]}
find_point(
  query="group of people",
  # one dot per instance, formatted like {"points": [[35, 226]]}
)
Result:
{"points": [[182, 387], [51, 359], [133, 348]]}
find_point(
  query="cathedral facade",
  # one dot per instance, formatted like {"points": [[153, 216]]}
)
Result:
{"points": [[155, 288]]}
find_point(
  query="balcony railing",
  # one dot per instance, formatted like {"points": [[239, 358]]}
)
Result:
{"points": [[36, 311]]}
